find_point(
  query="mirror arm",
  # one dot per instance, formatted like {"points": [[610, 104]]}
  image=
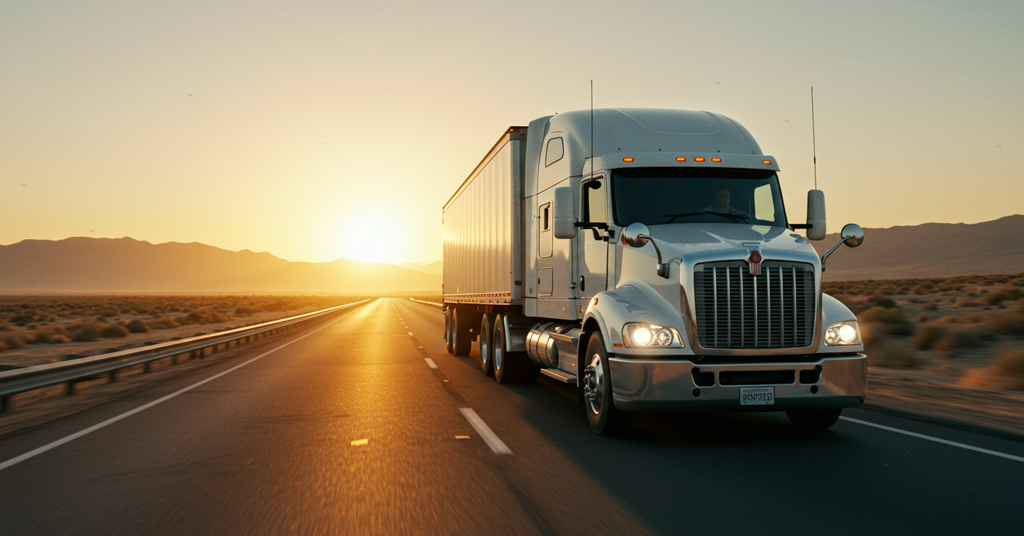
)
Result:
{"points": [[800, 225], [829, 252], [662, 266], [594, 226]]}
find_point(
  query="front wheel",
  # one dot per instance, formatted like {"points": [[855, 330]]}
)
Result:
{"points": [[814, 419], [604, 417], [510, 367]]}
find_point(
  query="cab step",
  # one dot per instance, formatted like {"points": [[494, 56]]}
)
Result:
{"points": [[559, 375]]}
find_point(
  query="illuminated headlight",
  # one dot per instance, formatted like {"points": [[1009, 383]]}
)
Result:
{"points": [[843, 334], [637, 335]]}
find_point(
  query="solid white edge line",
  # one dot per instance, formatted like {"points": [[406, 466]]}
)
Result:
{"points": [[485, 432], [430, 362], [936, 439], [50, 446]]}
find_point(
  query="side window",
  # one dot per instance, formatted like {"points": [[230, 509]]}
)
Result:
{"points": [[764, 204], [595, 208], [546, 236], [555, 151]]}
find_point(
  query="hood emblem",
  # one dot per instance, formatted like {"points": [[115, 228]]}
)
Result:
{"points": [[754, 262]]}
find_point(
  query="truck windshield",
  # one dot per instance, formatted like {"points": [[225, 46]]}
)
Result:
{"points": [[656, 196]]}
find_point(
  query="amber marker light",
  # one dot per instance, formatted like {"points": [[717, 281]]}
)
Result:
{"points": [[627, 159], [699, 159], [766, 162], [716, 159], [680, 159]]}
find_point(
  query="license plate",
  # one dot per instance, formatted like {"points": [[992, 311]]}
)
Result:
{"points": [[757, 396]]}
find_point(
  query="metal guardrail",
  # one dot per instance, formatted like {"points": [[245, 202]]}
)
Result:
{"points": [[25, 379], [435, 304]]}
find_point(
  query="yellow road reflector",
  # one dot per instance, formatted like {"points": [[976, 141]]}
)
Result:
{"points": [[462, 437], [360, 442]]}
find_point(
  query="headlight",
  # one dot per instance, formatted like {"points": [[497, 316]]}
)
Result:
{"points": [[638, 335], [843, 334]]}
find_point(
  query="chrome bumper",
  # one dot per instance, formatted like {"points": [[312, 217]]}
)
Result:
{"points": [[661, 385]]}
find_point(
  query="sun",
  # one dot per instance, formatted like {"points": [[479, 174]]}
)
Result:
{"points": [[372, 237]]}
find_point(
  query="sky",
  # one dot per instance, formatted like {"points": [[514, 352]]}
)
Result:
{"points": [[317, 130]]}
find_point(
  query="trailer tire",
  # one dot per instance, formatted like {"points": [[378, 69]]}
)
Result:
{"points": [[510, 367], [448, 329], [486, 346], [603, 416], [462, 341], [814, 419]]}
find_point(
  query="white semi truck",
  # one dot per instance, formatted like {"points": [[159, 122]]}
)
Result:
{"points": [[644, 256]]}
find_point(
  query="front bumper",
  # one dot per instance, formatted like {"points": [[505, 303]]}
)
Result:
{"points": [[650, 385]]}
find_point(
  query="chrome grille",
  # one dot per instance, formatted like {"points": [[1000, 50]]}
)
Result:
{"points": [[736, 310]]}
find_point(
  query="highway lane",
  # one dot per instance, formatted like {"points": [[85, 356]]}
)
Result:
{"points": [[350, 431]]}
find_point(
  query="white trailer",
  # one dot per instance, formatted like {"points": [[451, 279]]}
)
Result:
{"points": [[645, 256]]}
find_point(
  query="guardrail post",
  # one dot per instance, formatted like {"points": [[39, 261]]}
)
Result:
{"points": [[5, 403], [113, 376], [70, 388], [145, 367]]}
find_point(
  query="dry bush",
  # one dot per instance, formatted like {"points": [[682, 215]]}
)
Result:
{"points": [[881, 300], [890, 321], [1010, 366], [885, 351], [51, 335], [924, 317], [1009, 323], [163, 322], [928, 335], [84, 331], [114, 331], [966, 302], [963, 337], [137, 326], [14, 341]]}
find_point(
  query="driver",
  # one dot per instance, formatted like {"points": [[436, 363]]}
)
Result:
{"points": [[722, 204]]}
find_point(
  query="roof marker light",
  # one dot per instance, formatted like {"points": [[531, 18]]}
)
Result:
{"points": [[699, 159], [680, 159], [628, 159], [716, 159], [766, 162]]}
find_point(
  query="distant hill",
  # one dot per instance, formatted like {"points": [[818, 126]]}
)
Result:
{"points": [[436, 267], [125, 265], [930, 250]]}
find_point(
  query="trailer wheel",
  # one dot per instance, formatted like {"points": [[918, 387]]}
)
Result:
{"points": [[486, 348], [462, 341], [510, 367], [814, 419], [448, 329], [604, 417]]}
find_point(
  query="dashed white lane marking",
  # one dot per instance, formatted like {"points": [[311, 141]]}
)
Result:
{"points": [[937, 440], [430, 362], [485, 432], [360, 442], [410, 334], [112, 420]]}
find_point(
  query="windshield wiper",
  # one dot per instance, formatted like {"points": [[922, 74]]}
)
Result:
{"points": [[735, 217]]}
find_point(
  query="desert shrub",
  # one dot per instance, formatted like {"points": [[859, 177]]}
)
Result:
{"points": [[959, 338], [1010, 366], [891, 353], [162, 322], [84, 332], [965, 302], [881, 300], [928, 335], [1008, 323], [924, 317], [52, 335], [137, 326], [972, 317], [245, 310], [15, 340], [891, 321], [114, 331], [109, 313]]}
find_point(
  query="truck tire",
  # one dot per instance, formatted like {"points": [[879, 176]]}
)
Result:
{"points": [[448, 329], [814, 419], [510, 367], [604, 417], [486, 348], [462, 341]]}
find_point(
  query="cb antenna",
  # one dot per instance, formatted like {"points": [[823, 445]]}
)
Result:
{"points": [[591, 127], [814, 144]]}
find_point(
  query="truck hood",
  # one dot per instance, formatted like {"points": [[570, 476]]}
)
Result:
{"points": [[685, 241]]}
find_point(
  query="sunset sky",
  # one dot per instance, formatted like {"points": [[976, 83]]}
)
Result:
{"points": [[323, 129]]}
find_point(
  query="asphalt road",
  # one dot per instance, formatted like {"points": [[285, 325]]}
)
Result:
{"points": [[348, 429]]}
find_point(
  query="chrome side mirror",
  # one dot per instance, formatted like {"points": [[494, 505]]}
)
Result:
{"points": [[637, 235], [852, 235]]}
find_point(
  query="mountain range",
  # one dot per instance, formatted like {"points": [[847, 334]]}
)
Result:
{"points": [[128, 266]]}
